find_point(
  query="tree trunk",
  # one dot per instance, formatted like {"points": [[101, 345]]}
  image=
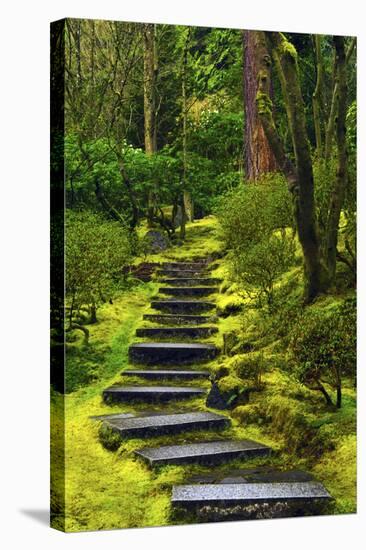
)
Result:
{"points": [[338, 192], [93, 314], [149, 88], [317, 96], [259, 157], [329, 135], [184, 137], [149, 106], [300, 177]]}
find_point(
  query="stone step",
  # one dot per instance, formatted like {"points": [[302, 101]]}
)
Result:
{"points": [[159, 353], [185, 265], [189, 290], [158, 374], [154, 425], [192, 281], [182, 306], [250, 494], [181, 273], [178, 319], [207, 452], [122, 394], [176, 332]]}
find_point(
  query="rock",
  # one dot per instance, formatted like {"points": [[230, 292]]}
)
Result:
{"points": [[156, 241], [222, 400], [215, 399]]}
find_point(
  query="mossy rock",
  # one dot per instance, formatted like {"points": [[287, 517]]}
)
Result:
{"points": [[109, 439], [228, 392]]}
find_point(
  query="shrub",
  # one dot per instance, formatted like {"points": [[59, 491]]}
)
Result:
{"points": [[251, 366], [258, 267], [96, 251], [253, 220], [251, 212], [323, 348]]}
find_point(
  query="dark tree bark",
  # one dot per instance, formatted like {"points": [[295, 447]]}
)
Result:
{"points": [[317, 95], [149, 88], [300, 176], [182, 200], [329, 134], [259, 157], [149, 105], [338, 192]]}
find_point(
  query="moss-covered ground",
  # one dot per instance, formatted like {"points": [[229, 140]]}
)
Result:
{"points": [[107, 489]]}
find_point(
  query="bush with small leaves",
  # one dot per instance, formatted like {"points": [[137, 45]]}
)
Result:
{"points": [[97, 251], [323, 348]]}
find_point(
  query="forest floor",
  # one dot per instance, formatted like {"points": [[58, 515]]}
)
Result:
{"points": [[113, 489]]}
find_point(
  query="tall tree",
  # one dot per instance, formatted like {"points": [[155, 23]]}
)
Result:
{"points": [[300, 176], [184, 195], [319, 251], [258, 154], [150, 105], [149, 88], [317, 95], [339, 189]]}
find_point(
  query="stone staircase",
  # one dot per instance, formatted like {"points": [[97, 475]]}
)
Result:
{"points": [[186, 317]]}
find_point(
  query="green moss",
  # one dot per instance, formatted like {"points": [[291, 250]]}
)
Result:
{"points": [[227, 304], [264, 103], [287, 48], [230, 383]]}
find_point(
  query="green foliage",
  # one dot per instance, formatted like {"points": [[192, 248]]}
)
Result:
{"points": [[158, 173], [251, 366], [253, 220], [252, 211], [258, 268], [323, 346], [96, 252], [218, 136]]}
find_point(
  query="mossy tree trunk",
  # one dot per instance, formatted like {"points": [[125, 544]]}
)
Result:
{"points": [[150, 105], [317, 95], [330, 129], [300, 175], [340, 185], [258, 155], [182, 201]]}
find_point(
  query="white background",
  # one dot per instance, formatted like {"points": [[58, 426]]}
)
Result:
{"points": [[24, 306]]}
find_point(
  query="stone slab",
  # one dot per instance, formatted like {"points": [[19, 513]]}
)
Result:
{"points": [[149, 393], [103, 417], [188, 290], [176, 332], [178, 319], [180, 273], [192, 281], [157, 374], [185, 265], [182, 306], [247, 493], [159, 353], [205, 452], [152, 425]]}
